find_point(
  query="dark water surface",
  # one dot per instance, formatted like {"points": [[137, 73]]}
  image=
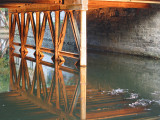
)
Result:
{"points": [[119, 87]]}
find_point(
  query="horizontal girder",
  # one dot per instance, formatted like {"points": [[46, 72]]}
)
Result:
{"points": [[44, 5]]}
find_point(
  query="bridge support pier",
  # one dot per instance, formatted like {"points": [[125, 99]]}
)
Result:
{"points": [[83, 39]]}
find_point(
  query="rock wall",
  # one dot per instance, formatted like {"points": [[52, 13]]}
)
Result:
{"points": [[130, 31]]}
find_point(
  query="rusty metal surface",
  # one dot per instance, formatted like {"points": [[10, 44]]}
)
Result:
{"points": [[27, 5]]}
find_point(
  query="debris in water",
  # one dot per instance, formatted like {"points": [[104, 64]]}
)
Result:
{"points": [[102, 92], [147, 109], [117, 91], [156, 93], [141, 102], [3, 105], [157, 102], [133, 96]]}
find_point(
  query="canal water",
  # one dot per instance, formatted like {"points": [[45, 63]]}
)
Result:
{"points": [[119, 87]]}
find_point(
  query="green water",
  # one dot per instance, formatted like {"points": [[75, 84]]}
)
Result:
{"points": [[112, 71], [136, 78], [136, 75]]}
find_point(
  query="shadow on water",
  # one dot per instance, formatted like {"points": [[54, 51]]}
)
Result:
{"points": [[118, 87]]}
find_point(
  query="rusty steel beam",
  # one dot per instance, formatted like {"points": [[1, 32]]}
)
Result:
{"points": [[30, 1], [57, 36], [109, 4]]}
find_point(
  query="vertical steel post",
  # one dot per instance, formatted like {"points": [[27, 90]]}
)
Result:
{"points": [[22, 48], [57, 22], [22, 33], [83, 39], [83, 57], [10, 51], [37, 32], [37, 52]]}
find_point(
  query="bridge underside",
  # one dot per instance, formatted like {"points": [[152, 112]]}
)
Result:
{"points": [[73, 4], [48, 5], [21, 13]]}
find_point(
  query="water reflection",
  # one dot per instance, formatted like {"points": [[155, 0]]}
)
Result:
{"points": [[118, 87], [54, 94], [63, 92]]}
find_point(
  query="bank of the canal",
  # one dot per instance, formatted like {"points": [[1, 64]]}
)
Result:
{"points": [[4, 74]]}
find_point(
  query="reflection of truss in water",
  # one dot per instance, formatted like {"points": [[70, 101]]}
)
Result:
{"points": [[64, 100], [37, 92]]}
